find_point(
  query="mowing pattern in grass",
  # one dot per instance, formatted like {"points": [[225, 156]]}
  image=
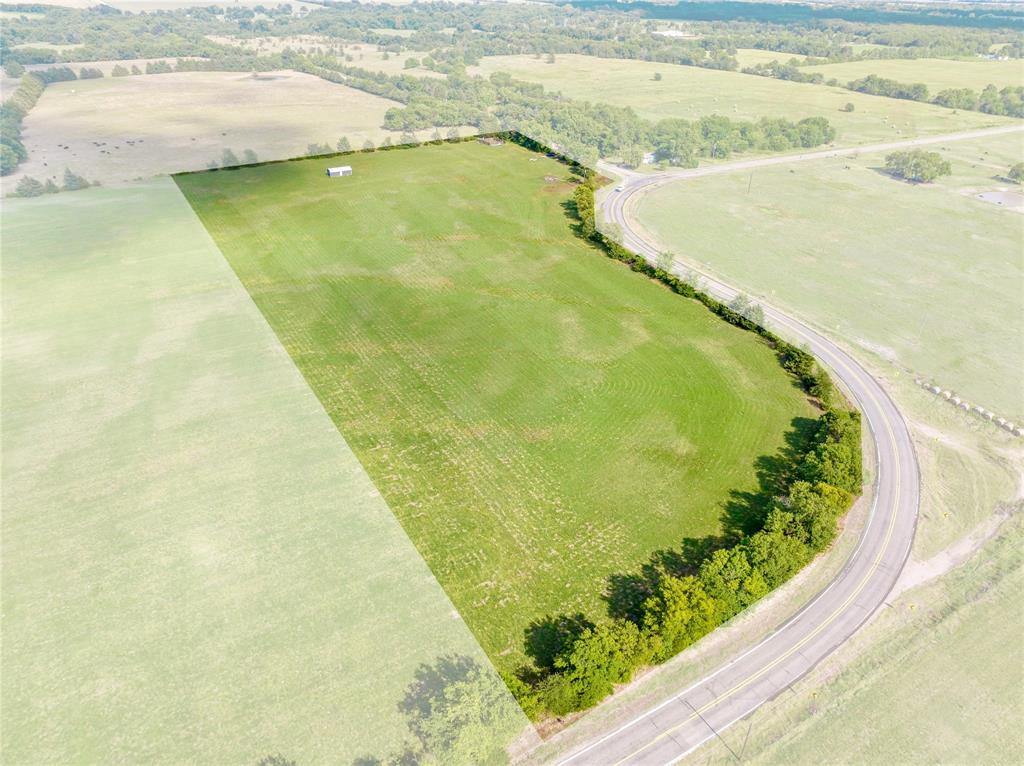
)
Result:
{"points": [[538, 417], [195, 567]]}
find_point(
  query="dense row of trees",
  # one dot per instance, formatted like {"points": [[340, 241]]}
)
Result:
{"points": [[12, 112], [874, 85], [789, 70], [1008, 101], [917, 165], [584, 660], [14, 109], [580, 130]]}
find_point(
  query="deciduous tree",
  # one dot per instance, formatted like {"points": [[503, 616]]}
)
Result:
{"points": [[917, 165]]}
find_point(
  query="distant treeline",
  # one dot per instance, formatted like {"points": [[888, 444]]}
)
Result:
{"points": [[792, 13], [456, 35], [14, 109], [579, 129], [681, 598], [582, 130], [1008, 101]]}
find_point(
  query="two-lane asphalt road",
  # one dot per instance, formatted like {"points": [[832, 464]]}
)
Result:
{"points": [[667, 732]]}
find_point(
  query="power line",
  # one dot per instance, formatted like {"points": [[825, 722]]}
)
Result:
{"points": [[705, 720]]}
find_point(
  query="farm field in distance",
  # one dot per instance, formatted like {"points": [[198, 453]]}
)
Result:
{"points": [[185, 120], [692, 92], [364, 55], [538, 417], [927, 276], [754, 56], [937, 74]]}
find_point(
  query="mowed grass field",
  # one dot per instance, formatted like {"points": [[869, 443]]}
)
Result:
{"points": [[929, 277], [692, 92], [937, 74], [538, 417], [196, 568]]}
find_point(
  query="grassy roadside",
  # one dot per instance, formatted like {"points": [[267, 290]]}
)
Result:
{"points": [[936, 678], [661, 682], [968, 467]]}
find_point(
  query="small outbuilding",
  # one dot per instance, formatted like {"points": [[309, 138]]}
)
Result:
{"points": [[341, 170]]}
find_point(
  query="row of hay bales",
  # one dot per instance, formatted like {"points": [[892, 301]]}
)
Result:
{"points": [[978, 410]]}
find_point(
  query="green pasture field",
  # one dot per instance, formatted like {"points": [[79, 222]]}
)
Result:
{"points": [[937, 74], [754, 56], [195, 567], [928, 277], [538, 417], [692, 92], [118, 129]]}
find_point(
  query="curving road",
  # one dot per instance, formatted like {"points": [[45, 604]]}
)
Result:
{"points": [[666, 733]]}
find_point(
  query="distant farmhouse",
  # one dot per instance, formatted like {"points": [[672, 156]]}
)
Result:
{"points": [[341, 170]]}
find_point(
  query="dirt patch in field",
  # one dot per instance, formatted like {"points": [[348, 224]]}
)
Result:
{"points": [[1011, 200], [919, 572]]}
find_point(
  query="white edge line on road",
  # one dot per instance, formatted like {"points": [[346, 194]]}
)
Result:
{"points": [[858, 371]]}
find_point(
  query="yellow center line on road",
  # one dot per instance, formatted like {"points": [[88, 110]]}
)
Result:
{"points": [[853, 373], [796, 647]]}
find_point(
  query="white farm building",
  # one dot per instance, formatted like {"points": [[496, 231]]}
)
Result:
{"points": [[341, 170]]}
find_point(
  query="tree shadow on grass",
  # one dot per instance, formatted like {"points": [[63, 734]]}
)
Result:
{"points": [[458, 710], [743, 513], [430, 681], [573, 214], [548, 636]]}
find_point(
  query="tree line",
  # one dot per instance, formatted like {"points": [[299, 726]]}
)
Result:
{"points": [[14, 110], [673, 607], [31, 187], [578, 129], [459, 35], [1007, 101]]}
